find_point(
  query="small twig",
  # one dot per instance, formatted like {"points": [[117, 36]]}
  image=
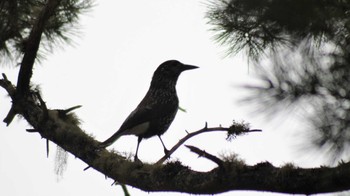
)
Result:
{"points": [[125, 189], [32, 130], [86, 168], [188, 136], [66, 111], [11, 115], [5, 77], [115, 182], [182, 109], [63, 113], [202, 153], [47, 148], [47, 141], [7, 85], [11, 90]]}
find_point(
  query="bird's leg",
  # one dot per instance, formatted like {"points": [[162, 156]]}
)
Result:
{"points": [[166, 151], [136, 159]]}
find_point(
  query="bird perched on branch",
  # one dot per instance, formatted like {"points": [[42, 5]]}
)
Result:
{"points": [[157, 110]]}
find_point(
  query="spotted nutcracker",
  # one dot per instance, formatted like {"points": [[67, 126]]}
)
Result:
{"points": [[157, 110]]}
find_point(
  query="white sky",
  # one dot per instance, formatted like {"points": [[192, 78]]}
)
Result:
{"points": [[108, 72]]}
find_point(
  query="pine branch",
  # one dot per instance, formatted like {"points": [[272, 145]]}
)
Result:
{"points": [[173, 176], [32, 46]]}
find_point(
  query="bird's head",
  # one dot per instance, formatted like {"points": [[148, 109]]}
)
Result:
{"points": [[171, 69], [167, 73]]}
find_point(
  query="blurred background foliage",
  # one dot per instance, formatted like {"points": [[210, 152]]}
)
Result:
{"points": [[301, 51], [17, 17]]}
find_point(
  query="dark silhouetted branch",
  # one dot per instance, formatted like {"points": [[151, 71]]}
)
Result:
{"points": [[202, 153], [11, 90], [203, 130], [32, 46], [173, 176]]}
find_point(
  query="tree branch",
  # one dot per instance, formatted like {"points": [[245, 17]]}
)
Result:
{"points": [[203, 130], [32, 46], [30, 53], [173, 176], [7, 85], [11, 90], [202, 153]]}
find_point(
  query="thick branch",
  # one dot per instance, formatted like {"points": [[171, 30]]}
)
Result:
{"points": [[173, 176], [30, 53], [32, 46]]}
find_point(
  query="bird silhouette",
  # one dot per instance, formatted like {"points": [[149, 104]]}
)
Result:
{"points": [[157, 110]]}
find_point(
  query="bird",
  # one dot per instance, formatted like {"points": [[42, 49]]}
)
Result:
{"points": [[157, 110]]}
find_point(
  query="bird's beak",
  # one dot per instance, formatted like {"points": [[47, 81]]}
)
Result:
{"points": [[188, 67]]}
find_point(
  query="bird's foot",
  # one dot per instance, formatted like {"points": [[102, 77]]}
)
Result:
{"points": [[137, 160], [167, 152]]}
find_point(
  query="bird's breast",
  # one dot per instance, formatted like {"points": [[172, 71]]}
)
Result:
{"points": [[163, 96]]}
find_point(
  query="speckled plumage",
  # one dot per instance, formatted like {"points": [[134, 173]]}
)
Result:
{"points": [[157, 110]]}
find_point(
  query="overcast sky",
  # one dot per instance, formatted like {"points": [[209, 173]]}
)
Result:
{"points": [[108, 71]]}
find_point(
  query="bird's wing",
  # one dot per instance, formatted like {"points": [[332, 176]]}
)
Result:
{"points": [[136, 123], [139, 119]]}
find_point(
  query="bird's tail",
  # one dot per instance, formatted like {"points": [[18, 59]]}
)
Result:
{"points": [[110, 140]]}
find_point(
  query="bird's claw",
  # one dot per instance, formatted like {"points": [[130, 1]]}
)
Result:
{"points": [[137, 160], [166, 151]]}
